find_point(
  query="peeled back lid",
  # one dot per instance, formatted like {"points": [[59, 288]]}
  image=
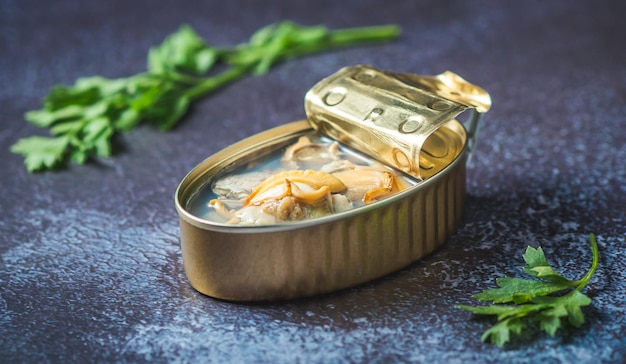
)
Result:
{"points": [[389, 116]]}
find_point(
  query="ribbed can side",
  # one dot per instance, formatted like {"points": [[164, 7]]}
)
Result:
{"points": [[384, 240]]}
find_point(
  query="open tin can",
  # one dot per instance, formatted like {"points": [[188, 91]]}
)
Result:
{"points": [[265, 218]]}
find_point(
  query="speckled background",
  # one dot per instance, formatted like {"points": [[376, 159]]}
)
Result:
{"points": [[91, 269]]}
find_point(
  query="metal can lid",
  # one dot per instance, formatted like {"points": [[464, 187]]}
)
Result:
{"points": [[389, 116]]}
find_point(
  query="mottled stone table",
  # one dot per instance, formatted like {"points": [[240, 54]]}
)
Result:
{"points": [[91, 269]]}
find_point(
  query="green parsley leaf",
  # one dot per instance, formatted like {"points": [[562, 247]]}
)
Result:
{"points": [[569, 304], [537, 266], [41, 152], [84, 117], [184, 50], [500, 333], [519, 290], [546, 300]]}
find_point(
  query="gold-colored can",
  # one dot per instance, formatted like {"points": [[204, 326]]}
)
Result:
{"points": [[371, 182]]}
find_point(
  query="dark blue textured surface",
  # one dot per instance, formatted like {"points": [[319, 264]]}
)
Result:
{"points": [[90, 261]]}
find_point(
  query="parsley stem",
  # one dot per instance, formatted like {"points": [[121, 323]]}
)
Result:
{"points": [[366, 34], [214, 82], [180, 77], [581, 283], [344, 37]]}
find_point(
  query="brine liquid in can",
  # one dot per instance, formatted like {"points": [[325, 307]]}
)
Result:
{"points": [[309, 177]]}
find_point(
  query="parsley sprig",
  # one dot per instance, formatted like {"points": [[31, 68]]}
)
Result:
{"points": [[549, 300], [84, 117]]}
